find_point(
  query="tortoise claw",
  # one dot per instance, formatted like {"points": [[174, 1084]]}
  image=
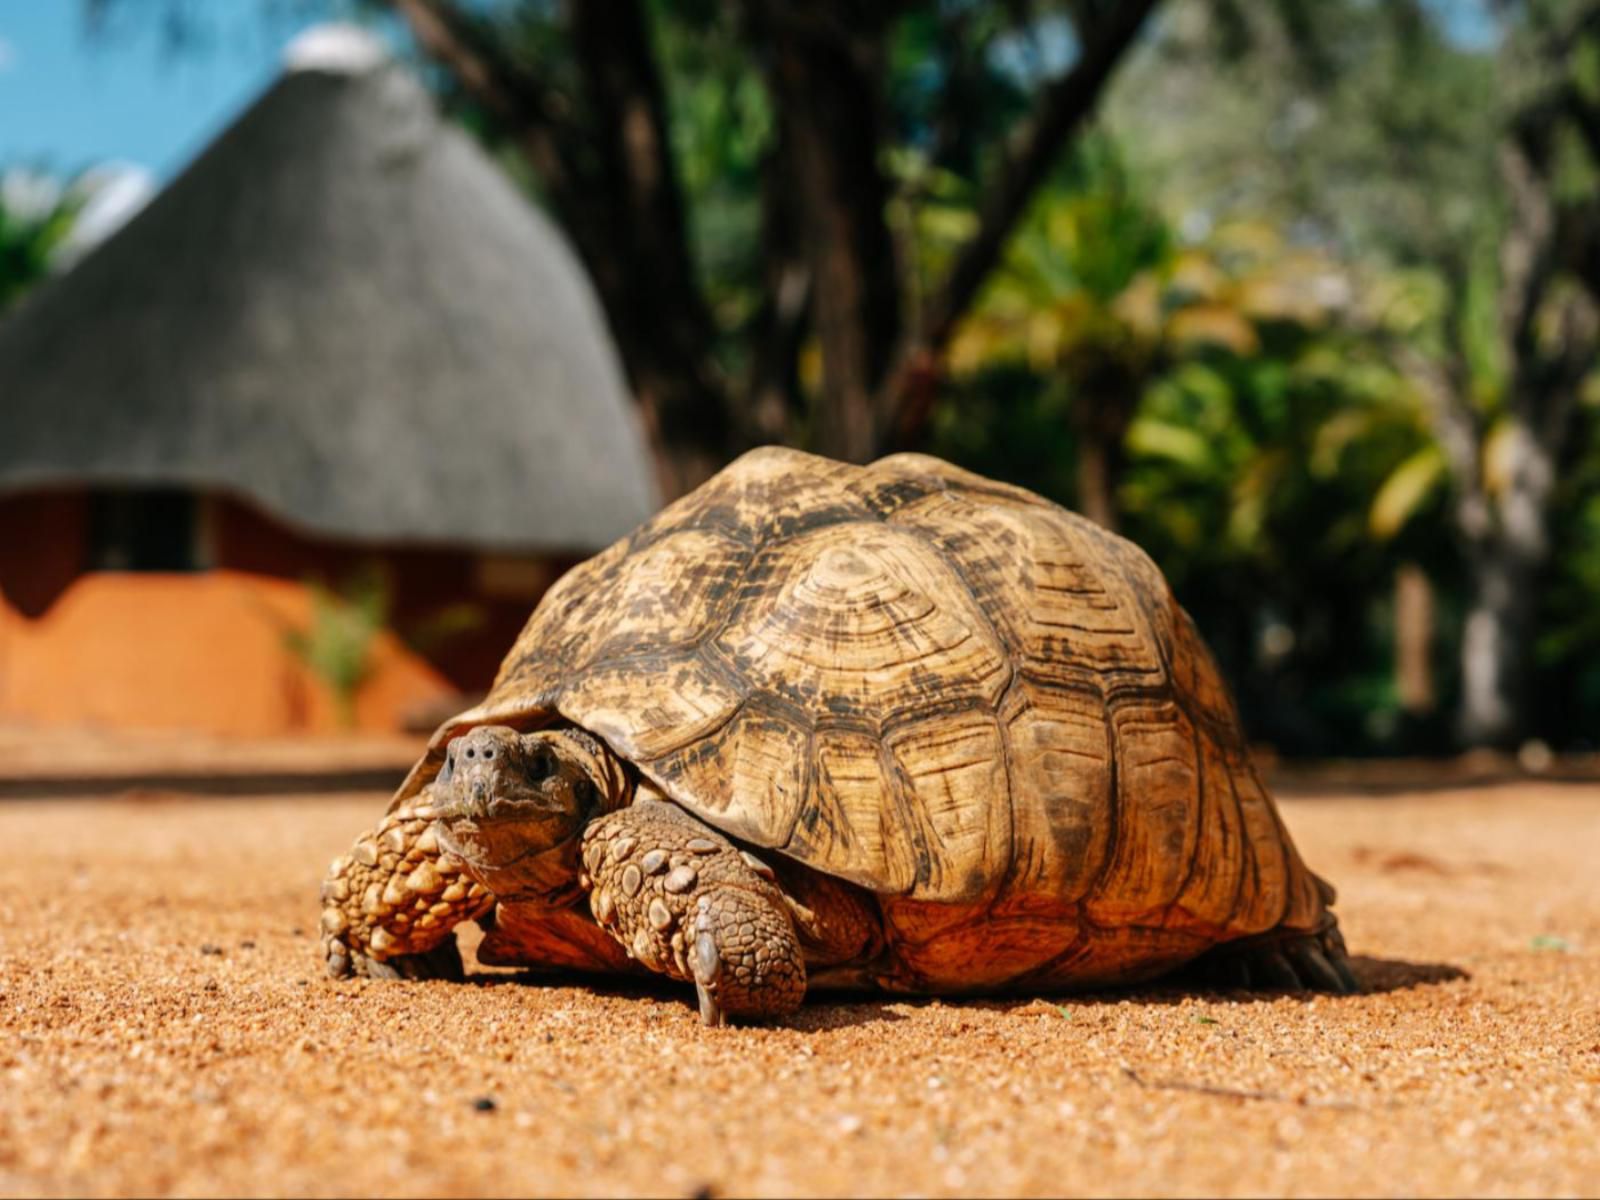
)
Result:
{"points": [[441, 962], [711, 1014], [1281, 961], [1315, 970], [1333, 950], [707, 973], [1274, 972]]}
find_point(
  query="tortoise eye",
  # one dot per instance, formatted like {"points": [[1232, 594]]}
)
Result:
{"points": [[449, 767], [541, 765]]}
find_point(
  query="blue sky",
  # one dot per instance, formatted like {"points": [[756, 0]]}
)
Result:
{"points": [[69, 99]]}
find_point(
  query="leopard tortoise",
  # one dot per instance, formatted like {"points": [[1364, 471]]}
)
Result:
{"points": [[815, 725]]}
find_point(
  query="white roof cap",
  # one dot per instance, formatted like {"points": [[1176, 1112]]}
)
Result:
{"points": [[338, 48]]}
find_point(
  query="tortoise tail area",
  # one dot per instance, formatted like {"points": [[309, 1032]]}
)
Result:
{"points": [[1304, 952], [1280, 960]]}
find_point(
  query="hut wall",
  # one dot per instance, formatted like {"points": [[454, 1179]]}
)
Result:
{"points": [[193, 651], [426, 584], [206, 650], [43, 536]]}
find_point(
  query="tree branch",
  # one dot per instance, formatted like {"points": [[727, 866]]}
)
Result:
{"points": [[1061, 109], [456, 42]]}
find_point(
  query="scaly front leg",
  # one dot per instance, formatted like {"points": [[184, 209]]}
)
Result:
{"points": [[685, 901], [391, 903]]}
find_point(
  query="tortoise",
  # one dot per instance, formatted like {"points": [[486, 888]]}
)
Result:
{"points": [[821, 726]]}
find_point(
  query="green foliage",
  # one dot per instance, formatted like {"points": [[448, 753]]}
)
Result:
{"points": [[1064, 299], [36, 215], [445, 625], [722, 128], [1389, 155], [337, 645], [1379, 148], [1279, 468], [1283, 203], [1252, 481]]}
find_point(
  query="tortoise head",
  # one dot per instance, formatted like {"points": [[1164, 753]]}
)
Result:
{"points": [[511, 806]]}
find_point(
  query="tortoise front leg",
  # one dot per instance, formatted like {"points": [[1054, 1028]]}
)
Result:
{"points": [[390, 904], [686, 902]]}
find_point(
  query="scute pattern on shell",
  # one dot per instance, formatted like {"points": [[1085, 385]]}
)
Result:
{"points": [[940, 687]]}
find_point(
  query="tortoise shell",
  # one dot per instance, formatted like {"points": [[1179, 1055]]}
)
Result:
{"points": [[981, 707]]}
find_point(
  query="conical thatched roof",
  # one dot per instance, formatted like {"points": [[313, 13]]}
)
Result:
{"points": [[343, 311]]}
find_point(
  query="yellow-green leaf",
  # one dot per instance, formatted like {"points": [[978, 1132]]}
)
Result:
{"points": [[1158, 439], [1403, 493]]}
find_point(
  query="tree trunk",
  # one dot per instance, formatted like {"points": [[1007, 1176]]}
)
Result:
{"points": [[1505, 562], [1496, 645], [1101, 426], [1549, 337], [774, 400], [825, 68], [1097, 482], [643, 255], [1413, 641]]}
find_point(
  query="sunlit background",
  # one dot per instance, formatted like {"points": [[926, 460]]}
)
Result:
{"points": [[324, 349]]}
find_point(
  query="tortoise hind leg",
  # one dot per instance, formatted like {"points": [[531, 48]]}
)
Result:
{"points": [[1281, 960], [686, 902], [391, 903]]}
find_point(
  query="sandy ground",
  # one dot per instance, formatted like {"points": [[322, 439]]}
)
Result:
{"points": [[29, 752], [165, 1029]]}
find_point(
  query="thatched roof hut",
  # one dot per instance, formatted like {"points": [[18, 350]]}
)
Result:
{"points": [[340, 340], [343, 312]]}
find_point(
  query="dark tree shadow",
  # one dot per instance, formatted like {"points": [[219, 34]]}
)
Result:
{"points": [[1379, 975], [844, 1009], [829, 1010]]}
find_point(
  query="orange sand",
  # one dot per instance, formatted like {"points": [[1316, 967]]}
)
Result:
{"points": [[164, 1029]]}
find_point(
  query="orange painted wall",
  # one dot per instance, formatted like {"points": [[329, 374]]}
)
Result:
{"points": [[201, 651], [425, 580]]}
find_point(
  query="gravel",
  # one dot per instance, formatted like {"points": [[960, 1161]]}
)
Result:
{"points": [[165, 1029]]}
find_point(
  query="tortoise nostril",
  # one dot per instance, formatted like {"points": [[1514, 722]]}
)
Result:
{"points": [[487, 755], [471, 753]]}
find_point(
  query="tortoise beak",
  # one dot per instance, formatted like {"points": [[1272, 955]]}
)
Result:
{"points": [[476, 801], [493, 827]]}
